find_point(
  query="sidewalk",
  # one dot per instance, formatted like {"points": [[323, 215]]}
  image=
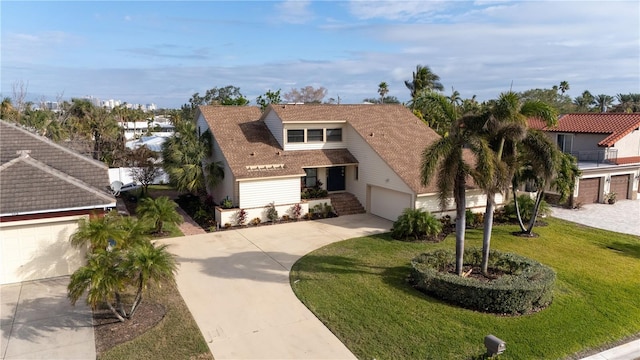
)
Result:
{"points": [[628, 351]]}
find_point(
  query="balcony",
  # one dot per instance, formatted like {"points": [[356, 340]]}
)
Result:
{"points": [[596, 158]]}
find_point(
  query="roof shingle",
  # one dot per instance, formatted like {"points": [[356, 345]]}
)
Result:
{"points": [[617, 125]]}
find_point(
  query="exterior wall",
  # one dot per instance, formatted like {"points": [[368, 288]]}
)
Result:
{"points": [[227, 187], [38, 249], [587, 142], [629, 145], [388, 204], [315, 145], [230, 216], [258, 193], [274, 124], [605, 174], [476, 202], [372, 170]]}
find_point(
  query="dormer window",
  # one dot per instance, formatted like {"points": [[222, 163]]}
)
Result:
{"points": [[295, 136], [334, 134], [315, 135]]}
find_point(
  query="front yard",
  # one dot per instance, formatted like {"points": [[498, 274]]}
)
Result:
{"points": [[358, 288]]}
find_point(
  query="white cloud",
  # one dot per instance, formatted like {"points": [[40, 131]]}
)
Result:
{"points": [[396, 10], [294, 11]]}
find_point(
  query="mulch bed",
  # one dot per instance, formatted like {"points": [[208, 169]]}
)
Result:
{"points": [[109, 331]]}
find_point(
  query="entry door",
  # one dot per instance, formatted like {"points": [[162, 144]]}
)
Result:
{"points": [[335, 178]]}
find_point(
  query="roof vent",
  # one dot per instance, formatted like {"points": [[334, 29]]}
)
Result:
{"points": [[371, 134], [23, 153], [252, 154]]}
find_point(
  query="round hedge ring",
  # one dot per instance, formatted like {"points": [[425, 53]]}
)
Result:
{"points": [[520, 286]]}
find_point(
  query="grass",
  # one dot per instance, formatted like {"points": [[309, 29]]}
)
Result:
{"points": [[358, 289], [176, 336]]}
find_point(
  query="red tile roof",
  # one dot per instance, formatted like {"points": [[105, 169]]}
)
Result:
{"points": [[627, 160], [617, 125]]}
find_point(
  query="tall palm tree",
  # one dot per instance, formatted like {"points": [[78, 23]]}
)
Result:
{"points": [[436, 110], [507, 122], [101, 278], [98, 231], [564, 87], [383, 89], [455, 97], [185, 159], [445, 159], [148, 263], [159, 211], [603, 102], [423, 78]]}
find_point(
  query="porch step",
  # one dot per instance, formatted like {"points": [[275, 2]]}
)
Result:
{"points": [[346, 204]]}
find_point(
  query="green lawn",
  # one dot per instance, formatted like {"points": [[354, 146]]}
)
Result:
{"points": [[358, 289]]}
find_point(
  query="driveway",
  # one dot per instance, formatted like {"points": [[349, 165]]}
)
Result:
{"points": [[38, 322], [236, 285], [622, 217]]}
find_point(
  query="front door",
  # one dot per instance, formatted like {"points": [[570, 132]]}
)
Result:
{"points": [[335, 178]]}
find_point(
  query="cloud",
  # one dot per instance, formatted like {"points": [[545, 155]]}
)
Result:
{"points": [[294, 11], [170, 51]]}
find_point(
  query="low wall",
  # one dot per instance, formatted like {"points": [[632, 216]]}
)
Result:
{"points": [[230, 216]]}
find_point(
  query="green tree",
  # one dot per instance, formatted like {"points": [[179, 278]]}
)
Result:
{"points": [[383, 90], [603, 102], [445, 160], [423, 78], [100, 127], [307, 95], [561, 102], [97, 231], [7, 111], [159, 211], [438, 111], [628, 103], [564, 87], [144, 167], [584, 102], [146, 264], [270, 97], [185, 159]]}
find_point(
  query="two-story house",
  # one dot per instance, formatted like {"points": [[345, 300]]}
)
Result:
{"points": [[370, 151], [607, 146]]}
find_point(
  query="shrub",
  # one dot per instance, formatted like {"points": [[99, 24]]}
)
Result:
{"points": [[272, 213], [473, 220], [526, 204], [525, 286], [296, 211], [227, 225], [226, 203], [285, 217], [241, 217], [255, 221], [415, 223]]}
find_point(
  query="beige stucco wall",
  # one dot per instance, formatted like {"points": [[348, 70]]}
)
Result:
{"points": [[38, 249]]}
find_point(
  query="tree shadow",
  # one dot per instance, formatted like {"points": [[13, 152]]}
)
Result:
{"points": [[625, 248]]}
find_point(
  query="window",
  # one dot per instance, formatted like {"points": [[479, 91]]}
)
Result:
{"points": [[565, 142], [295, 136], [315, 135], [334, 134], [311, 179], [356, 173]]}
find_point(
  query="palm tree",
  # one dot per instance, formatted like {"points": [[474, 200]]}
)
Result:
{"points": [[159, 211], [99, 232], [564, 86], [455, 97], [436, 110], [185, 158], [7, 111], [147, 263], [446, 160], [507, 122], [383, 89], [423, 78], [603, 102], [101, 278]]}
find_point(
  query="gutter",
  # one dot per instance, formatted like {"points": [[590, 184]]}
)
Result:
{"points": [[105, 206]]}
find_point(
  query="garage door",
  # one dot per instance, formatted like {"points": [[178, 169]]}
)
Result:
{"points": [[388, 203], [620, 185], [37, 250], [589, 191]]}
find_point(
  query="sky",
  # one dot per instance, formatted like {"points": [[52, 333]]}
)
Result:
{"points": [[163, 52]]}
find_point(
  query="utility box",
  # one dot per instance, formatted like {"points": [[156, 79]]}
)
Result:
{"points": [[494, 345]]}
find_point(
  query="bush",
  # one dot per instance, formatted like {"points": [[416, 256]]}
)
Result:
{"points": [[415, 223], [255, 221], [226, 203], [241, 217], [526, 285], [272, 213], [526, 204]]}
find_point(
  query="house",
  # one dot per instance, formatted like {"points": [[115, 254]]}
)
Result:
{"points": [[44, 190], [369, 153], [607, 146]]}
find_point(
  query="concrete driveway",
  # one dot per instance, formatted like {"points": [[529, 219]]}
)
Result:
{"points": [[622, 217], [236, 284], [38, 322]]}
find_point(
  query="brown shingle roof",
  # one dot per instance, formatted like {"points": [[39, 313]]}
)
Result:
{"points": [[253, 152], [391, 130], [47, 177], [617, 125]]}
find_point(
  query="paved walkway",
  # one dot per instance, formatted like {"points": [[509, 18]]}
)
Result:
{"points": [[38, 322], [622, 217], [236, 285], [189, 226]]}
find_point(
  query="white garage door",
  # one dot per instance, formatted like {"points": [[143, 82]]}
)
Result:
{"points": [[388, 203], [37, 250]]}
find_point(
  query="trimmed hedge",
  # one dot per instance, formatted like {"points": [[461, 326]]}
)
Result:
{"points": [[526, 285]]}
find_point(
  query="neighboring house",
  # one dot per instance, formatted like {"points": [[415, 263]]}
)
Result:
{"points": [[161, 127], [371, 151], [607, 146], [44, 190]]}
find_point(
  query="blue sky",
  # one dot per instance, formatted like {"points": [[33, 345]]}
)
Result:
{"points": [[164, 51]]}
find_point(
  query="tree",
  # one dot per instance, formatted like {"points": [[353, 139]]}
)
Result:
{"points": [[507, 123], [185, 158], [561, 102], [455, 97], [423, 78], [144, 168], [148, 263], [98, 231], [584, 102], [307, 95], [564, 87], [387, 100], [159, 211], [100, 127], [270, 97], [628, 103], [7, 111], [445, 159], [383, 89], [603, 102]]}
